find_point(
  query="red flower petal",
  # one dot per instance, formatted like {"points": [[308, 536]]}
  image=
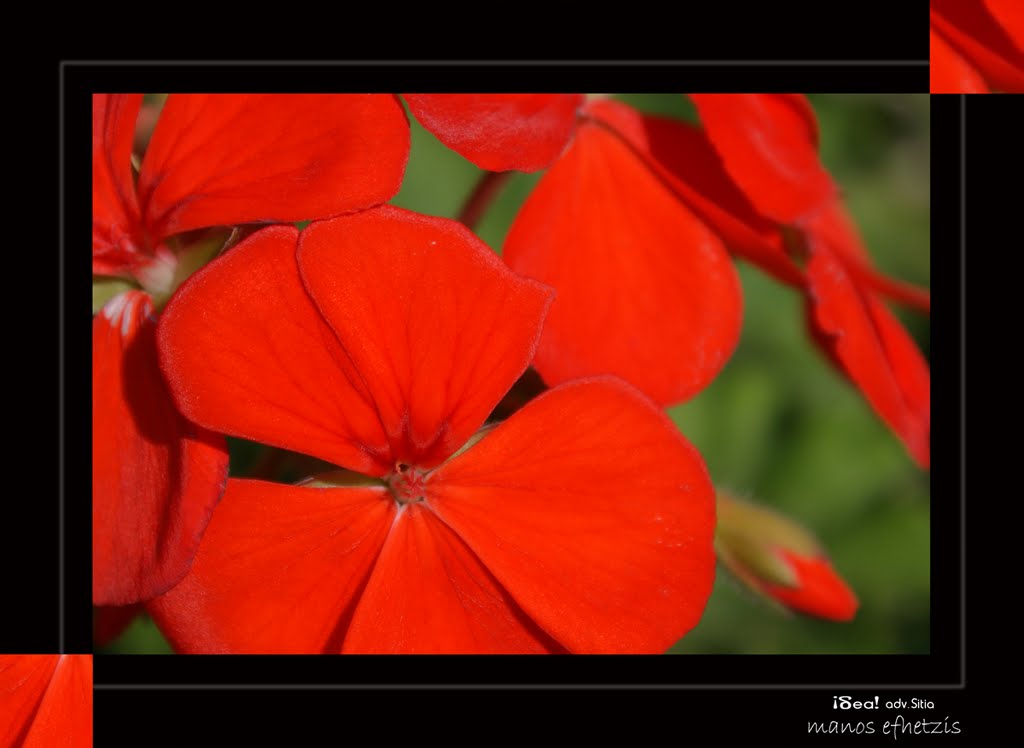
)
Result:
{"points": [[872, 348], [115, 214], [499, 132], [46, 701], [218, 160], [64, 718], [684, 158], [978, 38], [437, 327], [592, 510], [430, 594], [279, 570], [769, 143], [1009, 14], [156, 477], [644, 289], [834, 227], [819, 591], [951, 73], [23, 682], [247, 353]]}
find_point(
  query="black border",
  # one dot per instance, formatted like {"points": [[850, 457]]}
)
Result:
{"points": [[373, 76], [699, 700]]}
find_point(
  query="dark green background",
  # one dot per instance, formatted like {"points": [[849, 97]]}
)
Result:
{"points": [[779, 425]]}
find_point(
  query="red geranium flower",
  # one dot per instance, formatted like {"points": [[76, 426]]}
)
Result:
{"points": [[213, 160], [46, 701], [976, 46], [848, 319], [381, 342], [645, 290], [629, 223]]}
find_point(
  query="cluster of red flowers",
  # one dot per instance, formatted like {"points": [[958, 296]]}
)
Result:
{"points": [[977, 46], [381, 341]]}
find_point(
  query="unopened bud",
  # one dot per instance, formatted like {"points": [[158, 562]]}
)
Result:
{"points": [[779, 559]]}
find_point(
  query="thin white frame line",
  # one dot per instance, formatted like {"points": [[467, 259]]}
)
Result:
{"points": [[507, 687], [422, 686], [60, 363], [963, 389], [502, 63]]}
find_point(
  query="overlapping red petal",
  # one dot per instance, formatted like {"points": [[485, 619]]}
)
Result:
{"points": [[683, 157], [499, 132], [594, 512], [436, 325], [247, 353], [46, 701], [769, 144], [987, 35], [156, 477], [280, 570], [431, 594], [872, 348], [1010, 16], [220, 160], [834, 227], [949, 72], [819, 590], [115, 212], [644, 289]]}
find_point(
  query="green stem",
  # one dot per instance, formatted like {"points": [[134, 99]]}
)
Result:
{"points": [[483, 194]]}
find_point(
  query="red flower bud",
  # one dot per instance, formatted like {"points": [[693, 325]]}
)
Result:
{"points": [[780, 560]]}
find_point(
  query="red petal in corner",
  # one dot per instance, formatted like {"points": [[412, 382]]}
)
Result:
{"points": [[684, 158], [46, 701], [644, 289], [819, 591], [978, 38], [1009, 14], [595, 514], [64, 717], [23, 682], [873, 349], [156, 477], [429, 594], [247, 353], [437, 326], [499, 132], [279, 570], [219, 160], [115, 214], [951, 73], [769, 145]]}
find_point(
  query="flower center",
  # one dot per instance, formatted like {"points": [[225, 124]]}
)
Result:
{"points": [[407, 484]]}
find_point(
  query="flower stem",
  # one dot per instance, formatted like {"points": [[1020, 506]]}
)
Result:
{"points": [[483, 194]]}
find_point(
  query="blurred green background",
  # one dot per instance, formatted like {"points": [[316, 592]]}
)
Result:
{"points": [[779, 425]]}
